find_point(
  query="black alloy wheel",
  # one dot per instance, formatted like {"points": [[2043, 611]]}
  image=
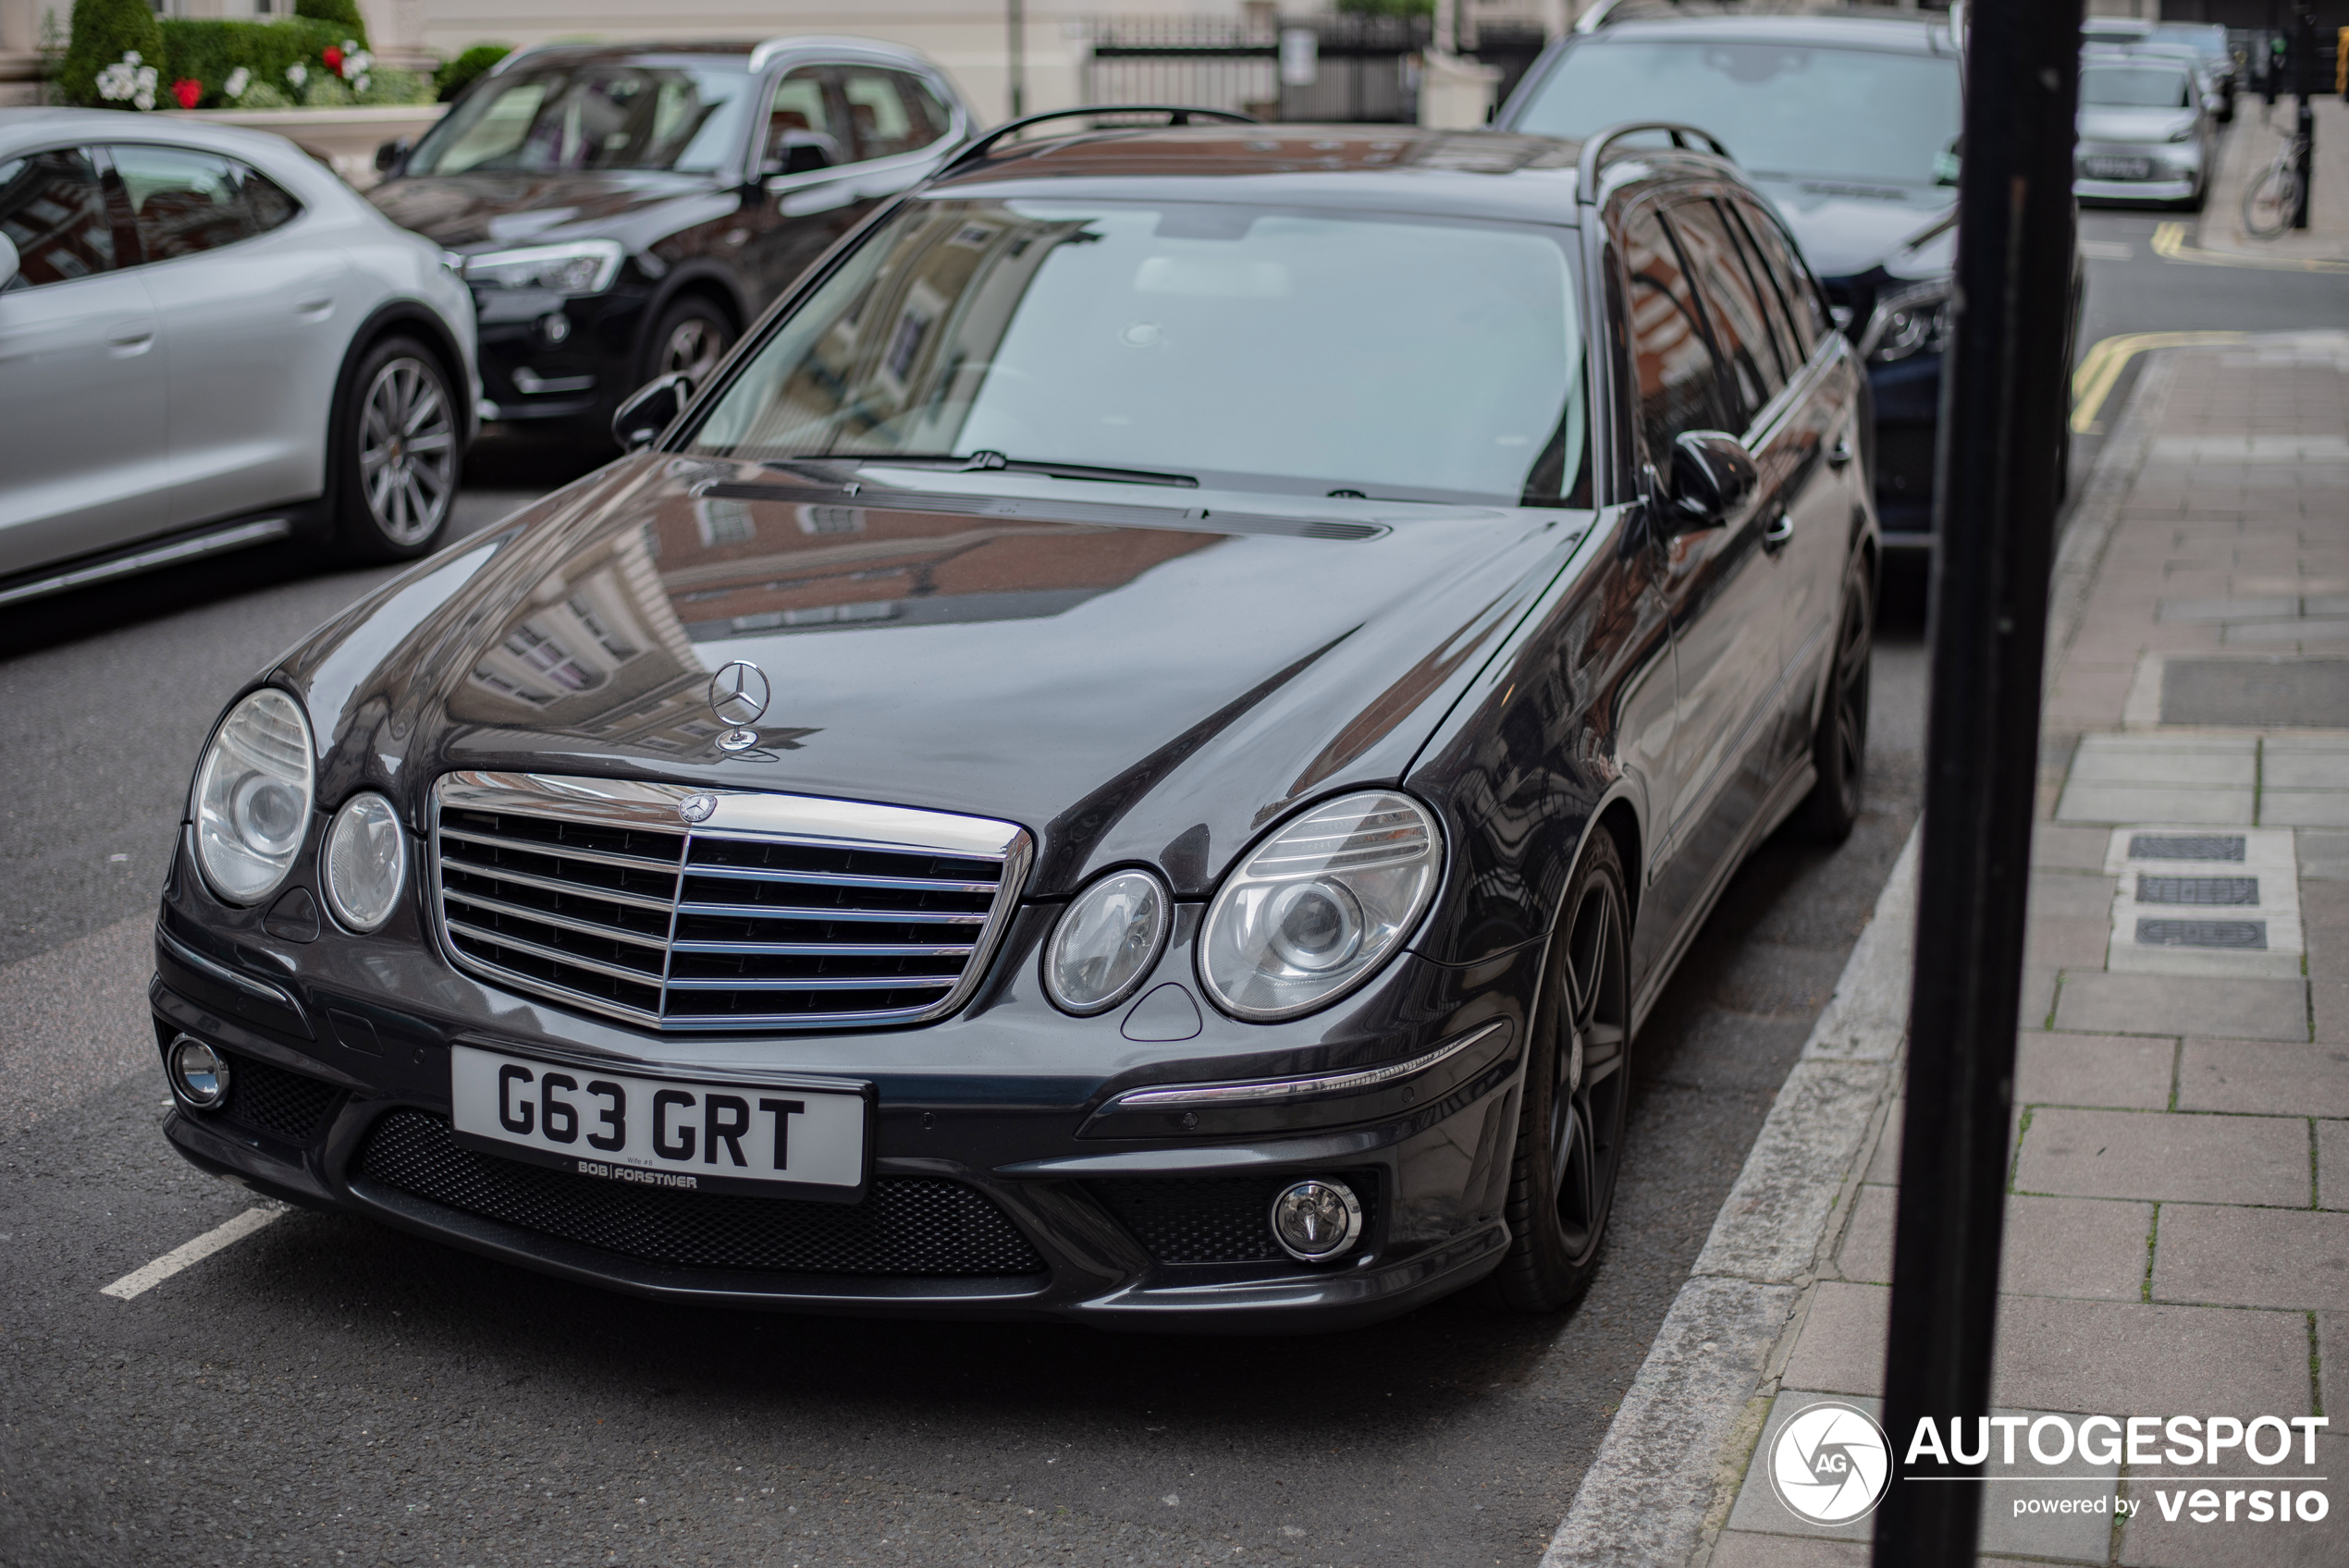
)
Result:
{"points": [[693, 336], [1840, 746], [397, 452], [1578, 1091]]}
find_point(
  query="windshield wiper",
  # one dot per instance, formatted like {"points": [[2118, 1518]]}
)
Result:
{"points": [[996, 462]]}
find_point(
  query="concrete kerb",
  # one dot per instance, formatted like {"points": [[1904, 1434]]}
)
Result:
{"points": [[1669, 1469]]}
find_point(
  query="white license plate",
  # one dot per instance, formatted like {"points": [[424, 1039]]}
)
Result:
{"points": [[777, 1138], [2120, 168]]}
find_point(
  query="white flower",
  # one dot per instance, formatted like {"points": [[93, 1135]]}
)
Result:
{"points": [[355, 62], [144, 83], [361, 85], [297, 73], [125, 79], [130, 57], [239, 79]]}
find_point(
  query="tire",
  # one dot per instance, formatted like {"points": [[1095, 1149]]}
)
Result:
{"points": [[1839, 744], [1569, 1144], [397, 454], [2268, 201], [690, 338]]}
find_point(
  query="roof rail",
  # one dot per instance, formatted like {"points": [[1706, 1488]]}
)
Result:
{"points": [[1586, 174], [1179, 114]]}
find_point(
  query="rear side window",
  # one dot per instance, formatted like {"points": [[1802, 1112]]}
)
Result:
{"points": [[1679, 386], [887, 110], [52, 208], [1766, 290], [1740, 330], [800, 134], [185, 203], [1802, 303]]}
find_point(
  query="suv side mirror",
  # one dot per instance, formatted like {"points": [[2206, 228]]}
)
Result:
{"points": [[650, 409], [1713, 475], [799, 152], [392, 154]]}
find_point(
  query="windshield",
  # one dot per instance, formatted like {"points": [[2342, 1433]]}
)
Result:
{"points": [[1243, 346], [685, 117], [2133, 87], [1784, 111]]}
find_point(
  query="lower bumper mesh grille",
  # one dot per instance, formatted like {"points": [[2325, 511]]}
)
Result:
{"points": [[269, 1099], [1214, 1219], [907, 1226]]}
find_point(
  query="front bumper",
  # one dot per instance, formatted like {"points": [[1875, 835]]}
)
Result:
{"points": [[1907, 393], [341, 1042], [2171, 171], [547, 359]]}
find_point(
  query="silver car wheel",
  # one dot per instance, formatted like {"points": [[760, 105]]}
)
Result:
{"points": [[407, 451], [694, 349]]}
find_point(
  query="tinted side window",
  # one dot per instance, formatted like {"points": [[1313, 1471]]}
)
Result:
{"points": [[1738, 330], [929, 111], [1679, 386], [882, 112], [1809, 316], [801, 115], [53, 210], [267, 206], [185, 203], [1766, 289]]}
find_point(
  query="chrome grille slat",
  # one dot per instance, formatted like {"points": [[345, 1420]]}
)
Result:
{"points": [[615, 867]]}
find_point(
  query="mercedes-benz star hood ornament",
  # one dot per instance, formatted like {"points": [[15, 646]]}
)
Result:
{"points": [[738, 695]]}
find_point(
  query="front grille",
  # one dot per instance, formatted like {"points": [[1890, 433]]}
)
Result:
{"points": [[917, 1226], [775, 911], [267, 1098], [1214, 1218]]}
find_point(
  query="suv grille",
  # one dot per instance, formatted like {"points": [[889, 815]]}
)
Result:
{"points": [[775, 911], [919, 1226]]}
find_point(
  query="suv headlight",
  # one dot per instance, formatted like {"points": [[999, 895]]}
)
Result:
{"points": [[580, 266], [1908, 321], [1107, 942], [253, 791], [365, 863], [1319, 906]]}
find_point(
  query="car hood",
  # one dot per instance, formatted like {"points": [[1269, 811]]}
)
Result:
{"points": [[476, 211], [2103, 123], [1845, 230], [1131, 673]]}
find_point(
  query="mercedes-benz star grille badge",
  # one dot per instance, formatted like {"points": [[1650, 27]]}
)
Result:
{"points": [[738, 695], [697, 808]]}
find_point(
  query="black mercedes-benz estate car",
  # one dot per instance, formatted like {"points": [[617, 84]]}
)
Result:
{"points": [[622, 210], [1136, 755], [1848, 119]]}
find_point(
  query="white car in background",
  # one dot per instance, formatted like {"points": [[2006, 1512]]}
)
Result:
{"points": [[208, 341]]}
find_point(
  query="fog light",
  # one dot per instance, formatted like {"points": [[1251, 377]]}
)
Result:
{"points": [[1317, 1220], [554, 327], [199, 1073]]}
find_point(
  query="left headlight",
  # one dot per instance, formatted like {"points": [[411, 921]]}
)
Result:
{"points": [[1908, 321], [581, 266], [1107, 941], [1319, 906], [252, 796], [366, 863]]}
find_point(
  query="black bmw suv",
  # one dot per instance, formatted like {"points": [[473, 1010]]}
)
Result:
{"points": [[625, 212]]}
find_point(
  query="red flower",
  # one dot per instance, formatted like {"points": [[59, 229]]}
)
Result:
{"points": [[334, 58], [188, 92]]}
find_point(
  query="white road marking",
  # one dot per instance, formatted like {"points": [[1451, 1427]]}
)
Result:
{"points": [[142, 1280], [2105, 249]]}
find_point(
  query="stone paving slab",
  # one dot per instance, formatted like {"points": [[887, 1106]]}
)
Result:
{"points": [[2153, 1541], [2096, 1003], [2131, 1072], [2264, 1077], [2332, 1179], [2252, 1258], [2133, 1358], [2171, 1158]]}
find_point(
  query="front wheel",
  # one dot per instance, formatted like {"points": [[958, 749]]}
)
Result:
{"points": [[1839, 744], [396, 453], [2268, 202], [1578, 1091]]}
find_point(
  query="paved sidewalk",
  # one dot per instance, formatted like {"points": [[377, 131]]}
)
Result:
{"points": [[2248, 147], [2177, 1217]]}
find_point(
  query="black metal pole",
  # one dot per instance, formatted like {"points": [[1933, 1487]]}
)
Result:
{"points": [[2304, 57], [1995, 507]]}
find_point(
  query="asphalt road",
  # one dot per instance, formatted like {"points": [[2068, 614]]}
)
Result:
{"points": [[324, 1391]]}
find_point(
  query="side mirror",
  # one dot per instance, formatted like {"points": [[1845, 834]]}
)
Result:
{"points": [[650, 409], [799, 152], [392, 154], [1713, 475], [10, 263]]}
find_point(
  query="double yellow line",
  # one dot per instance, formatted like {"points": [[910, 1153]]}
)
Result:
{"points": [[2169, 244], [2101, 368]]}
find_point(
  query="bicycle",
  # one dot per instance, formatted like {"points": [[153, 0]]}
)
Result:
{"points": [[2273, 195]]}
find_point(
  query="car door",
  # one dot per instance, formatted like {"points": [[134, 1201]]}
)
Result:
{"points": [[253, 315], [807, 190], [84, 434]]}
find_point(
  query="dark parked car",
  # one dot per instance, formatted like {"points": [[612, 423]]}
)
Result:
{"points": [[1137, 756], [624, 211], [1848, 120]]}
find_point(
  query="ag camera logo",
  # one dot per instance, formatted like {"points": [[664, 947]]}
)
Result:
{"points": [[1830, 1463]]}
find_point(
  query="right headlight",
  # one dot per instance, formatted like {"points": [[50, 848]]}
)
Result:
{"points": [[579, 266], [252, 796], [1908, 321], [1106, 942], [1319, 905]]}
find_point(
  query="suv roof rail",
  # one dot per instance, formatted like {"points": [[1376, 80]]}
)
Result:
{"points": [[1609, 11], [1178, 113], [1586, 174]]}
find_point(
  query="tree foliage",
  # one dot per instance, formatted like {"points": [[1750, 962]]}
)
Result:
{"points": [[342, 14], [458, 74]]}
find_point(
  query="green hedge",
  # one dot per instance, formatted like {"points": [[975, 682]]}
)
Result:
{"points": [[103, 30], [341, 15], [458, 74]]}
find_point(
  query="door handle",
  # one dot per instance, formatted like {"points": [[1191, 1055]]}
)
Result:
{"points": [[1781, 529], [1839, 455], [130, 337], [314, 305]]}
